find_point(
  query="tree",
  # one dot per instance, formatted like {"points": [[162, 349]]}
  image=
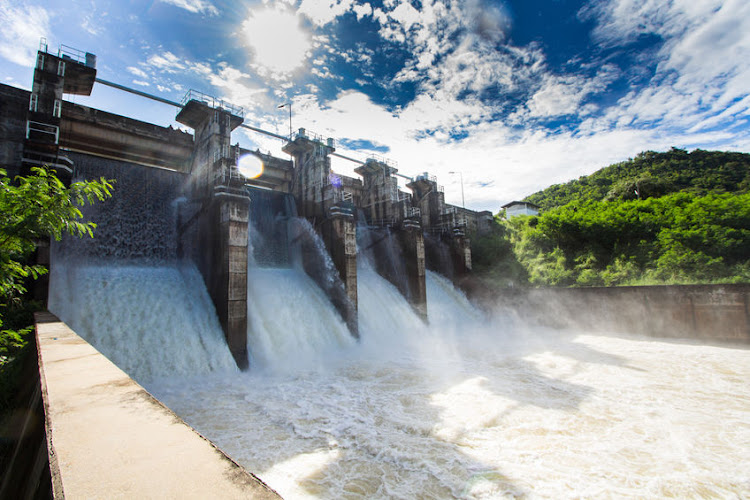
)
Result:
{"points": [[34, 207]]}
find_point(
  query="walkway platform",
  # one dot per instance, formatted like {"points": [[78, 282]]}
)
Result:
{"points": [[109, 438]]}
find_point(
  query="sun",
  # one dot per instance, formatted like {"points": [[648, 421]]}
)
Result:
{"points": [[277, 40]]}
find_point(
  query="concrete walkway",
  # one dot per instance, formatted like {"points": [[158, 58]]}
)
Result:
{"points": [[109, 438]]}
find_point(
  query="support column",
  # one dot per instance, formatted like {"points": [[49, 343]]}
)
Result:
{"points": [[230, 266], [215, 235], [412, 244], [461, 254], [340, 235]]}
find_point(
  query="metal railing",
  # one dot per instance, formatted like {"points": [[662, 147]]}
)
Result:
{"points": [[42, 128], [381, 159], [337, 195], [307, 134], [212, 102], [66, 52], [225, 174], [426, 177]]}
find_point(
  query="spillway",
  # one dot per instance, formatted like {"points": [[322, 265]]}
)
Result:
{"points": [[292, 323], [467, 406], [470, 408], [151, 320]]}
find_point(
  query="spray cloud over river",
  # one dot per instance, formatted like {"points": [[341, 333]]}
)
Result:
{"points": [[483, 411], [468, 406]]}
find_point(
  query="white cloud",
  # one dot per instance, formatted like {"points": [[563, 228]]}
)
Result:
{"points": [[703, 63], [362, 10], [322, 12], [137, 72], [167, 62], [237, 87], [22, 27], [195, 6]]}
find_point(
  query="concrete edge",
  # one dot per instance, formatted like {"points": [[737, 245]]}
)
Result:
{"points": [[56, 471], [54, 468]]}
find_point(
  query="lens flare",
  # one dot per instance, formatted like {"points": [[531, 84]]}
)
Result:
{"points": [[250, 166]]}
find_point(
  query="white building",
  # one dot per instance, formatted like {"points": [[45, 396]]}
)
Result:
{"points": [[515, 208]]}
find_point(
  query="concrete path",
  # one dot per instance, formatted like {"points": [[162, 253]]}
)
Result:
{"points": [[109, 438]]}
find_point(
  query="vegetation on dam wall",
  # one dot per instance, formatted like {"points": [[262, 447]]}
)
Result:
{"points": [[661, 218], [34, 207]]}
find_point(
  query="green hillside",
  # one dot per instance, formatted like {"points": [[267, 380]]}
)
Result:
{"points": [[652, 174], [660, 218]]}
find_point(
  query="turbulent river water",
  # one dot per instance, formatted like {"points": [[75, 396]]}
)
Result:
{"points": [[467, 407]]}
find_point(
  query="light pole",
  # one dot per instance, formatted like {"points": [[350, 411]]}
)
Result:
{"points": [[463, 201], [288, 105]]}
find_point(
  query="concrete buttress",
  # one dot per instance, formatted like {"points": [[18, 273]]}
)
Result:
{"points": [[217, 237], [412, 244], [340, 237]]}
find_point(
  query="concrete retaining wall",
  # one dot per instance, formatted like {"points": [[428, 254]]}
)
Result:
{"points": [[109, 438], [717, 312]]}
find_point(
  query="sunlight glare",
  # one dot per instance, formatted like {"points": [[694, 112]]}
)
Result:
{"points": [[278, 42], [250, 166]]}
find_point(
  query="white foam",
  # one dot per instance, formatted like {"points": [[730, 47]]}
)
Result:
{"points": [[291, 323], [151, 321]]}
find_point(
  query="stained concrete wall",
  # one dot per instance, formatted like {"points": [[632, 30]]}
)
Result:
{"points": [[109, 438], [340, 238], [23, 444], [711, 312], [14, 103]]}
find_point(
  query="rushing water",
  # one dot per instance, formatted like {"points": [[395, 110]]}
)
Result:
{"points": [[465, 407], [150, 320], [474, 408]]}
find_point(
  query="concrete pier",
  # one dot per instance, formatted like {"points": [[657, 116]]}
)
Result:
{"points": [[412, 245], [340, 237], [218, 241], [460, 253], [109, 438]]}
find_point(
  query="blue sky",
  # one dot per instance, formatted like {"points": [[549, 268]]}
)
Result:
{"points": [[516, 95]]}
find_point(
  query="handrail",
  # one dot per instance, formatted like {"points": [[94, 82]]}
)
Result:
{"points": [[426, 177], [43, 128], [211, 101], [307, 134], [382, 159]]}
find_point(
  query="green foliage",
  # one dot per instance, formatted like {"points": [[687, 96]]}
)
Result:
{"points": [[673, 217], [493, 258], [652, 174], [34, 207], [678, 238]]}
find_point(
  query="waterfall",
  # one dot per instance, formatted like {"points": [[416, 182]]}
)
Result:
{"points": [[379, 248], [270, 213], [292, 323], [448, 306], [125, 291], [151, 321]]}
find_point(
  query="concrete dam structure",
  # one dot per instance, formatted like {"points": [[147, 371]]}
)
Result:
{"points": [[181, 196], [469, 404]]}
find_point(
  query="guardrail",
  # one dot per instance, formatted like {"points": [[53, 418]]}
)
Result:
{"points": [[381, 159], [307, 134], [212, 102], [42, 128]]}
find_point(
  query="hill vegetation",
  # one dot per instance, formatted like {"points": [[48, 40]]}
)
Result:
{"points": [[660, 218]]}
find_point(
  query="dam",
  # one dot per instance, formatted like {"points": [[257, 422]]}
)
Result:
{"points": [[310, 326]]}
